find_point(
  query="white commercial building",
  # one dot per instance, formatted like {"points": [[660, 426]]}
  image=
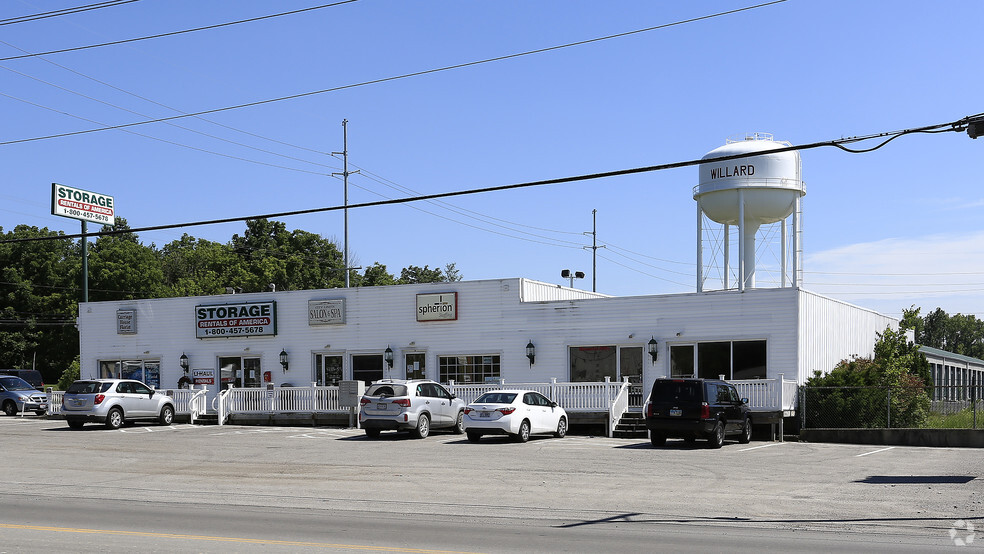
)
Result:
{"points": [[471, 332]]}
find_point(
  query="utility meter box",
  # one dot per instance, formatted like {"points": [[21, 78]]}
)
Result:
{"points": [[350, 393]]}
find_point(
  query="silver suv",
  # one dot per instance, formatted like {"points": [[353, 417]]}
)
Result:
{"points": [[115, 402], [17, 395], [417, 405]]}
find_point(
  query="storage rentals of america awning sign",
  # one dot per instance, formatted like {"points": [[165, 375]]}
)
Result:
{"points": [[248, 319], [82, 204]]}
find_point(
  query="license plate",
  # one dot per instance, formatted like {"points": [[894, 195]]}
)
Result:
{"points": [[485, 414], [380, 406], [78, 402], [676, 413], [42, 406]]}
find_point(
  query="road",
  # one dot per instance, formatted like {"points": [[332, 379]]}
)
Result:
{"points": [[189, 488]]}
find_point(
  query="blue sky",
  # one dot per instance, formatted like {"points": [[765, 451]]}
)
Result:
{"points": [[896, 227]]}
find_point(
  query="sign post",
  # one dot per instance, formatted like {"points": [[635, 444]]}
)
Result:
{"points": [[86, 206]]}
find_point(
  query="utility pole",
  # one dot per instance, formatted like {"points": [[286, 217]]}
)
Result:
{"points": [[345, 174], [594, 250]]}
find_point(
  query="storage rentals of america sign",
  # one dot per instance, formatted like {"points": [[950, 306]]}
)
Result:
{"points": [[248, 319], [82, 204]]}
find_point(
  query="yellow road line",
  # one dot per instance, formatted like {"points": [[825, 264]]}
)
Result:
{"points": [[229, 539]]}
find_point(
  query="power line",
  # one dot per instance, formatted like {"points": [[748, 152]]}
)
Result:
{"points": [[377, 81], [65, 11], [172, 33], [958, 125]]}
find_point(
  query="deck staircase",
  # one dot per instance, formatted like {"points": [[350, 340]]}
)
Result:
{"points": [[632, 425]]}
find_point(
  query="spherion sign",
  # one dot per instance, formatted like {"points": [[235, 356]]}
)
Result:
{"points": [[236, 320], [437, 307], [82, 204]]}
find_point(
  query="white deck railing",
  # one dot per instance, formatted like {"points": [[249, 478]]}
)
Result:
{"points": [[768, 395], [608, 396]]}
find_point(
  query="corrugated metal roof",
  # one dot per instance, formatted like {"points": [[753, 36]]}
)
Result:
{"points": [[949, 355]]}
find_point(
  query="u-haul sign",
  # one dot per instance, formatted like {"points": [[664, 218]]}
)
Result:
{"points": [[82, 204]]}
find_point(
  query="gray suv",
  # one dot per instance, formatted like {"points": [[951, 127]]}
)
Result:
{"points": [[417, 405], [115, 402], [17, 395]]}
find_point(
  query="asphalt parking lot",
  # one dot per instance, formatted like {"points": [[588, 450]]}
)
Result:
{"points": [[790, 485]]}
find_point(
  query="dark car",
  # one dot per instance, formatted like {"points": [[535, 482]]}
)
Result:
{"points": [[32, 376], [697, 409]]}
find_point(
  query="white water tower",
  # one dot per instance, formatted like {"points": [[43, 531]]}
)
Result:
{"points": [[750, 192]]}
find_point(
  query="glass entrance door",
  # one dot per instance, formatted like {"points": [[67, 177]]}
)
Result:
{"points": [[327, 370], [415, 365]]}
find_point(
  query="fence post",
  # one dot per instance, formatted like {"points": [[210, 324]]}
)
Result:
{"points": [[802, 407], [888, 418], [973, 402]]}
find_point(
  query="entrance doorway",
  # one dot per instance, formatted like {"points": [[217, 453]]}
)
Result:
{"points": [[327, 370], [367, 367], [239, 372], [415, 365]]}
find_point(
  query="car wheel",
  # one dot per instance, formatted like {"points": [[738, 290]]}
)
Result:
{"points": [[167, 415], [524, 432], [561, 428], [716, 439], [372, 433], [746, 432], [459, 424], [115, 420], [10, 408], [656, 439], [473, 436], [423, 427], [76, 423]]}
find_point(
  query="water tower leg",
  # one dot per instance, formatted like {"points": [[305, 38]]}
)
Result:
{"points": [[783, 262], [700, 249], [741, 240]]}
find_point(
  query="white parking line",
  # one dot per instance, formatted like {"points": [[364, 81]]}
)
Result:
{"points": [[761, 446], [875, 451]]}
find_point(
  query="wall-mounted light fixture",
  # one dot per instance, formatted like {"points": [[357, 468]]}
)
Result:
{"points": [[531, 352], [283, 359], [183, 362], [653, 349], [388, 357]]}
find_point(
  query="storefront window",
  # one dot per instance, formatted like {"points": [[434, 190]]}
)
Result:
{"points": [[733, 359], [469, 369], [147, 371], [593, 363]]}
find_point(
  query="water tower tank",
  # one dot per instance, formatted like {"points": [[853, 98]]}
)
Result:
{"points": [[750, 191]]}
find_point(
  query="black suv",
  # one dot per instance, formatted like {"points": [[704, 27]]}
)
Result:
{"points": [[697, 409]]}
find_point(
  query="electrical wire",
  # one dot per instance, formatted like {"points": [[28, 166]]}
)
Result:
{"points": [[65, 11], [953, 126], [173, 33], [376, 81]]}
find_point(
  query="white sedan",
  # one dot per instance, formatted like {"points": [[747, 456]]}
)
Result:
{"points": [[517, 413]]}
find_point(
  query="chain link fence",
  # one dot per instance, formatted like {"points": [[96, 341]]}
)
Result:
{"points": [[938, 407]]}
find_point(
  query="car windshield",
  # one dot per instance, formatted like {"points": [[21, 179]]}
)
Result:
{"points": [[15, 383], [676, 391], [496, 398], [386, 389], [88, 387]]}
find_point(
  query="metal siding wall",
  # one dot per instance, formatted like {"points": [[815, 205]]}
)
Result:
{"points": [[491, 320], [832, 331]]}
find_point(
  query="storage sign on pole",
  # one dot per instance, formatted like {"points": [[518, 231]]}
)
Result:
{"points": [[82, 204]]}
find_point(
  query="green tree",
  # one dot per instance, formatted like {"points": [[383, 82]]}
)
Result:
{"points": [[290, 260], [375, 275], [415, 274], [194, 267], [39, 296], [961, 334], [120, 268], [897, 372]]}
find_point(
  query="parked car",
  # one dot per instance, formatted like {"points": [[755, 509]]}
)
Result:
{"points": [[416, 405], [17, 395], [32, 376], [517, 413], [697, 409], [115, 402]]}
